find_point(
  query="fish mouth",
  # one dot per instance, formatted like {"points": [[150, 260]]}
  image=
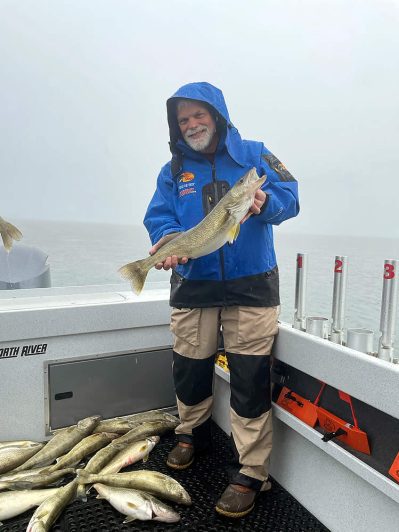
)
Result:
{"points": [[252, 180]]}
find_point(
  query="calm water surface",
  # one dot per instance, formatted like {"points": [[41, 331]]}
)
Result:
{"points": [[90, 254]]}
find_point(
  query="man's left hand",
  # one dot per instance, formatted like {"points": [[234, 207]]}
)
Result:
{"points": [[260, 198]]}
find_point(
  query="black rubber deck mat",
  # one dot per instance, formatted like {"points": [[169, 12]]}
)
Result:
{"points": [[275, 511]]}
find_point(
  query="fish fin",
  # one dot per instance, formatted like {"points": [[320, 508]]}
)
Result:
{"points": [[145, 458], [233, 233], [7, 240], [9, 233], [167, 238], [136, 272], [129, 519]]}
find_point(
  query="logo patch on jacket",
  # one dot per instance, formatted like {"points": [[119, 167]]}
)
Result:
{"points": [[186, 184], [186, 177], [278, 167]]}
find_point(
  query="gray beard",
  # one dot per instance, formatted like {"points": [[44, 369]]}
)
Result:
{"points": [[201, 144]]}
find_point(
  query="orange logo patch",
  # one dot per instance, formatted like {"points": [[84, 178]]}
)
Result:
{"points": [[186, 177]]}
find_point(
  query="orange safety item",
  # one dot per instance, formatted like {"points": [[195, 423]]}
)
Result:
{"points": [[394, 469], [298, 406], [342, 430]]}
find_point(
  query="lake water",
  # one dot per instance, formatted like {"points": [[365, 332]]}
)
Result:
{"points": [[90, 254]]}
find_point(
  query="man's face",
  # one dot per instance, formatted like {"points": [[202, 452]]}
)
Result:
{"points": [[197, 126]]}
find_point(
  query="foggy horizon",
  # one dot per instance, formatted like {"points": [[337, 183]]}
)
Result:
{"points": [[84, 88]]}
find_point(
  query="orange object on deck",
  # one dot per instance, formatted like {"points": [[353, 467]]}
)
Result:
{"points": [[394, 469], [298, 406]]}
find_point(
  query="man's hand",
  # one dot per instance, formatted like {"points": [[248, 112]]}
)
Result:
{"points": [[169, 262], [260, 198]]}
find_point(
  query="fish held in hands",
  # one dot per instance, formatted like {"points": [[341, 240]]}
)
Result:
{"points": [[9, 233], [221, 225]]}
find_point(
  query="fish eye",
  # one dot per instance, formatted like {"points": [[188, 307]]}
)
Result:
{"points": [[241, 180]]}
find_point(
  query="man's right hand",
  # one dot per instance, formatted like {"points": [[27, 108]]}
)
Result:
{"points": [[169, 262]]}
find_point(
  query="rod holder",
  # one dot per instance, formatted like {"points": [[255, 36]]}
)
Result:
{"points": [[300, 291], [317, 326], [360, 340], [388, 310], [339, 299]]}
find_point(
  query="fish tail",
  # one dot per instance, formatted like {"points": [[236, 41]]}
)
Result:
{"points": [[9, 233], [83, 476], [136, 272], [81, 493]]}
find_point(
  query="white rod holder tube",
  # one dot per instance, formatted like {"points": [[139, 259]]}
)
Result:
{"points": [[361, 340], [317, 326], [339, 299], [388, 310], [300, 291]]}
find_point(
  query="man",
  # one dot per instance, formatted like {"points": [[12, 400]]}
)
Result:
{"points": [[235, 288]]}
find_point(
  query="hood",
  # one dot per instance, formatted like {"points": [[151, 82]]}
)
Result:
{"points": [[203, 92]]}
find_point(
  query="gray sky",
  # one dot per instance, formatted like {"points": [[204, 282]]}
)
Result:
{"points": [[83, 85]]}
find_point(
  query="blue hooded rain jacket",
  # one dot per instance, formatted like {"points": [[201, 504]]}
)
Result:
{"points": [[189, 186]]}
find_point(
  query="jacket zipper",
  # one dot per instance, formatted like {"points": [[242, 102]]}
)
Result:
{"points": [[221, 254]]}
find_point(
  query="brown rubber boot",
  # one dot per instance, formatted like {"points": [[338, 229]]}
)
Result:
{"points": [[181, 456], [236, 501]]}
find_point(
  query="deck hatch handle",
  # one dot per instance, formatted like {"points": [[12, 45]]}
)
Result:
{"points": [[63, 395]]}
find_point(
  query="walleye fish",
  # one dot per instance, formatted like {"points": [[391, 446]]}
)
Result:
{"points": [[35, 480], [146, 429], [14, 503], [50, 509], [61, 443], [221, 225], [121, 425], [12, 455], [152, 482], [139, 432], [118, 425], [88, 445], [131, 454], [16, 443], [9, 233], [21, 475], [136, 505], [153, 415]]}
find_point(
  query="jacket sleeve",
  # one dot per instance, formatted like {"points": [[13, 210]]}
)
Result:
{"points": [[281, 187], [161, 218]]}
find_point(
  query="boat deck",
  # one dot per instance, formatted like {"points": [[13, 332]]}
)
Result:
{"points": [[276, 510]]}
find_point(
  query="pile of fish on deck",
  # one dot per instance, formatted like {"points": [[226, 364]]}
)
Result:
{"points": [[117, 443]]}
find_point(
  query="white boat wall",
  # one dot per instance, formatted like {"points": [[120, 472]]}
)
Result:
{"points": [[69, 353]]}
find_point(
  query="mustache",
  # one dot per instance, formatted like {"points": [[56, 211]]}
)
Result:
{"points": [[194, 130]]}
